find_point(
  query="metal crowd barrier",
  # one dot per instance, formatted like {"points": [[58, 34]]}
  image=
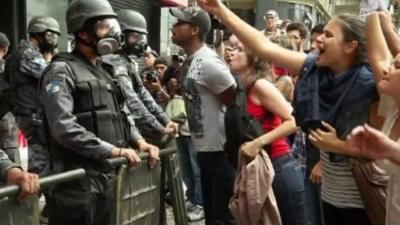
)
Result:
{"points": [[139, 193], [14, 213]]}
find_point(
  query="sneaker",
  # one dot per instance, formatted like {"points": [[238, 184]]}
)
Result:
{"points": [[189, 206], [196, 214]]}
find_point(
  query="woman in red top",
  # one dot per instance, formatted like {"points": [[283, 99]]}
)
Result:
{"points": [[267, 104]]}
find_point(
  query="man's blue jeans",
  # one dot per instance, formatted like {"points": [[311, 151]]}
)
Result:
{"points": [[190, 169]]}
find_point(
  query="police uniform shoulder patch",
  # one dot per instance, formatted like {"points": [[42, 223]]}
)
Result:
{"points": [[53, 87]]}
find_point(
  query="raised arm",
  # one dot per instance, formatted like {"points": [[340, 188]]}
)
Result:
{"points": [[377, 49], [254, 39], [392, 38]]}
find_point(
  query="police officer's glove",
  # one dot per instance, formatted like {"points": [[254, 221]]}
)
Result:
{"points": [[154, 152], [129, 154], [28, 182]]}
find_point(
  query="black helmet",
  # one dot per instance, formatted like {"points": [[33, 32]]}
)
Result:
{"points": [[130, 20], [79, 11], [40, 24]]}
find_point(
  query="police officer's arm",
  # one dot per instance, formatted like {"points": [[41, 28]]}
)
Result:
{"points": [[13, 174], [138, 141], [5, 165], [142, 117], [152, 105], [32, 63]]}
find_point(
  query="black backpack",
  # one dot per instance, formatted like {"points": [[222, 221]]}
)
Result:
{"points": [[240, 127]]}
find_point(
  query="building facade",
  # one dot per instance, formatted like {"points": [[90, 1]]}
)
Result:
{"points": [[15, 16], [310, 12]]}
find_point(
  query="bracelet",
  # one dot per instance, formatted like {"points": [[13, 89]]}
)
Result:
{"points": [[120, 152]]}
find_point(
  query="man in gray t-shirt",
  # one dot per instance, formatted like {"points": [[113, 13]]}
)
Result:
{"points": [[207, 86]]}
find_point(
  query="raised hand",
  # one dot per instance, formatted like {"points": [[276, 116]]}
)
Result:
{"points": [[385, 19], [211, 6]]}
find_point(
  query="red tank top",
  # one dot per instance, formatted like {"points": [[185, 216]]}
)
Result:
{"points": [[278, 147]]}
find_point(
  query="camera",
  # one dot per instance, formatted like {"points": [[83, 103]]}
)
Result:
{"points": [[150, 75]]}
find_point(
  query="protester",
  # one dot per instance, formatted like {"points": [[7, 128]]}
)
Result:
{"points": [[271, 18], [316, 31], [269, 107], [207, 85], [366, 141], [150, 57], [187, 154], [297, 34]]}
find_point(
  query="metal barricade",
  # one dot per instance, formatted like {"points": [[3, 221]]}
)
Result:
{"points": [[14, 213], [138, 190], [139, 193]]}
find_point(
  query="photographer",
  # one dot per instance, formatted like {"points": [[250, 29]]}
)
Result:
{"points": [[152, 77]]}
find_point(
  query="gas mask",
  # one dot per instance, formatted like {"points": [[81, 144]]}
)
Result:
{"points": [[135, 43], [48, 41], [107, 34]]}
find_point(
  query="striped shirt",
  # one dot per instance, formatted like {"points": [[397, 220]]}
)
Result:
{"points": [[339, 187]]}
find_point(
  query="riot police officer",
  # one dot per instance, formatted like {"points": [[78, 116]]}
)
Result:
{"points": [[23, 70], [8, 127], [148, 115], [83, 107]]}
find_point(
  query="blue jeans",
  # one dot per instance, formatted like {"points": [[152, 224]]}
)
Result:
{"points": [[190, 169], [288, 188], [217, 181], [313, 201]]}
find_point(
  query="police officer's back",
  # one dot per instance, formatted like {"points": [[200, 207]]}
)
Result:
{"points": [[83, 109]]}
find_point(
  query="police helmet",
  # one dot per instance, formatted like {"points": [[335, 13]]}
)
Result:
{"points": [[40, 24], [80, 11], [130, 20]]}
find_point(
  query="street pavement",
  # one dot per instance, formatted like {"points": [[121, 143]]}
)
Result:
{"points": [[170, 218]]}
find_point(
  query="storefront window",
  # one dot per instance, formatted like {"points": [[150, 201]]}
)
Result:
{"points": [[55, 9]]}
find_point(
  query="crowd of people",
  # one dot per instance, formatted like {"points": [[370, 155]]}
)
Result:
{"points": [[269, 125]]}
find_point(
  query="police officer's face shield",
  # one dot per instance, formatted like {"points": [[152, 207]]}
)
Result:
{"points": [[135, 43], [108, 34]]}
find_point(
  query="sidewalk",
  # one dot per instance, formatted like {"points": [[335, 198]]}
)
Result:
{"points": [[170, 218]]}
